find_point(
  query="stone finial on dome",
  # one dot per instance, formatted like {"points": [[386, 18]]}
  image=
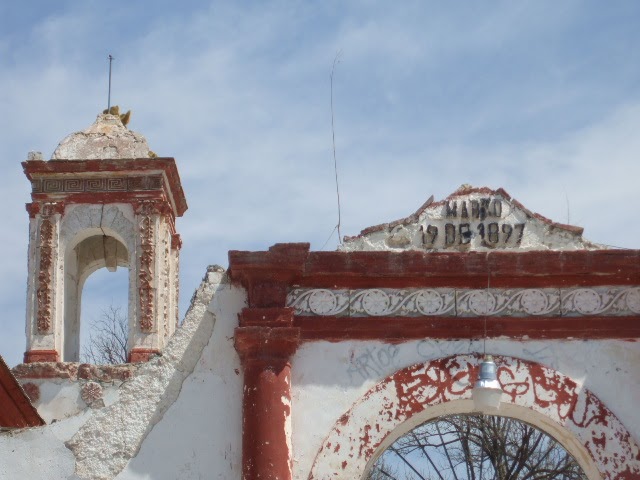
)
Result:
{"points": [[106, 139]]}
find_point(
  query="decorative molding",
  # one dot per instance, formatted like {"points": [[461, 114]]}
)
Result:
{"points": [[176, 241], [151, 207], [571, 302], [39, 356], [92, 393], [270, 345], [139, 355], [47, 246], [146, 273], [176, 288], [96, 184], [49, 209], [166, 287], [33, 368], [46, 209]]}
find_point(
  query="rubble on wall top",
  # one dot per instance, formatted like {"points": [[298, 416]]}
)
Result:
{"points": [[471, 219]]}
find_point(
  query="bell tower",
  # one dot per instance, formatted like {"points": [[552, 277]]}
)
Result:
{"points": [[103, 200]]}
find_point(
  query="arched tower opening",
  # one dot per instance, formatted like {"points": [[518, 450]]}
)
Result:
{"points": [[88, 256], [104, 318]]}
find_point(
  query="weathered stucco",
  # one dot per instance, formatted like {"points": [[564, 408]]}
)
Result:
{"points": [[200, 435], [144, 400], [470, 219], [341, 374], [107, 138]]}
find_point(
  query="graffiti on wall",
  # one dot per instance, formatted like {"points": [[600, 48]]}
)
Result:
{"points": [[371, 362], [409, 391]]}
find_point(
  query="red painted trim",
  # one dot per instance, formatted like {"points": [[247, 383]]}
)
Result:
{"points": [[266, 317], [268, 275], [138, 355], [397, 329], [165, 165], [266, 408], [16, 410], [176, 240], [266, 404], [103, 197], [295, 266], [33, 356], [472, 269]]}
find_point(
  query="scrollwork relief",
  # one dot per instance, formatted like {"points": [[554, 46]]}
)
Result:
{"points": [[617, 301], [47, 247], [146, 272]]}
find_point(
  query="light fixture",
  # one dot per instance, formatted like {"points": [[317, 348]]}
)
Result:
{"points": [[487, 391]]}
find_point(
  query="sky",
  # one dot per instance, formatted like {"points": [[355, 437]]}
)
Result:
{"points": [[541, 98]]}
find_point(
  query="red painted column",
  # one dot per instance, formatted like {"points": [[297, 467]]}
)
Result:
{"points": [[266, 406]]}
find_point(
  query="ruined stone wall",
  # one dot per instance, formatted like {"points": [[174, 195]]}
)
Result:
{"points": [[176, 416]]}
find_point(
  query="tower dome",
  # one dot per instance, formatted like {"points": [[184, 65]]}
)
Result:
{"points": [[107, 138]]}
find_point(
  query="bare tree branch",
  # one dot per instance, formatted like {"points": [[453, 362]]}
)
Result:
{"points": [[108, 338], [474, 447]]}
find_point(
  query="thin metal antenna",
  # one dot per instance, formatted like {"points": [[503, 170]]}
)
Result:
{"points": [[484, 339], [109, 97], [333, 136]]}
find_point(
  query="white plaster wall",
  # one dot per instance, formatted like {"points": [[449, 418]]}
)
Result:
{"points": [[200, 435], [37, 453], [61, 398], [327, 378]]}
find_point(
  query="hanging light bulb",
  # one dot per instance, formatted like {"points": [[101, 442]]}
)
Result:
{"points": [[487, 391]]}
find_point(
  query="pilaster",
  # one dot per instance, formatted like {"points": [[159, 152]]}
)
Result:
{"points": [[44, 337], [265, 342]]}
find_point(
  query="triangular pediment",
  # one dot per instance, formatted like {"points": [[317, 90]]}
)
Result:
{"points": [[471, 219]]}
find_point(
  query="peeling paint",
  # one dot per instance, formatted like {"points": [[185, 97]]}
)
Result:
{"points": [[402, 397]]}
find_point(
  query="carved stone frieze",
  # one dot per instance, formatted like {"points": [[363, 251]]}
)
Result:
{"points": [[617, 301], [47, 247], [146, 273], [92, 393], [166, 272], [45, 274], [96, 184]]}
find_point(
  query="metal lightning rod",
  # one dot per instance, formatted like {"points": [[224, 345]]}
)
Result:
{"points": [[109, 97]]}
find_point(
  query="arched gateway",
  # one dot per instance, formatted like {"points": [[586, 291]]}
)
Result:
{"points": [[343, 352], [533, 393]]}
